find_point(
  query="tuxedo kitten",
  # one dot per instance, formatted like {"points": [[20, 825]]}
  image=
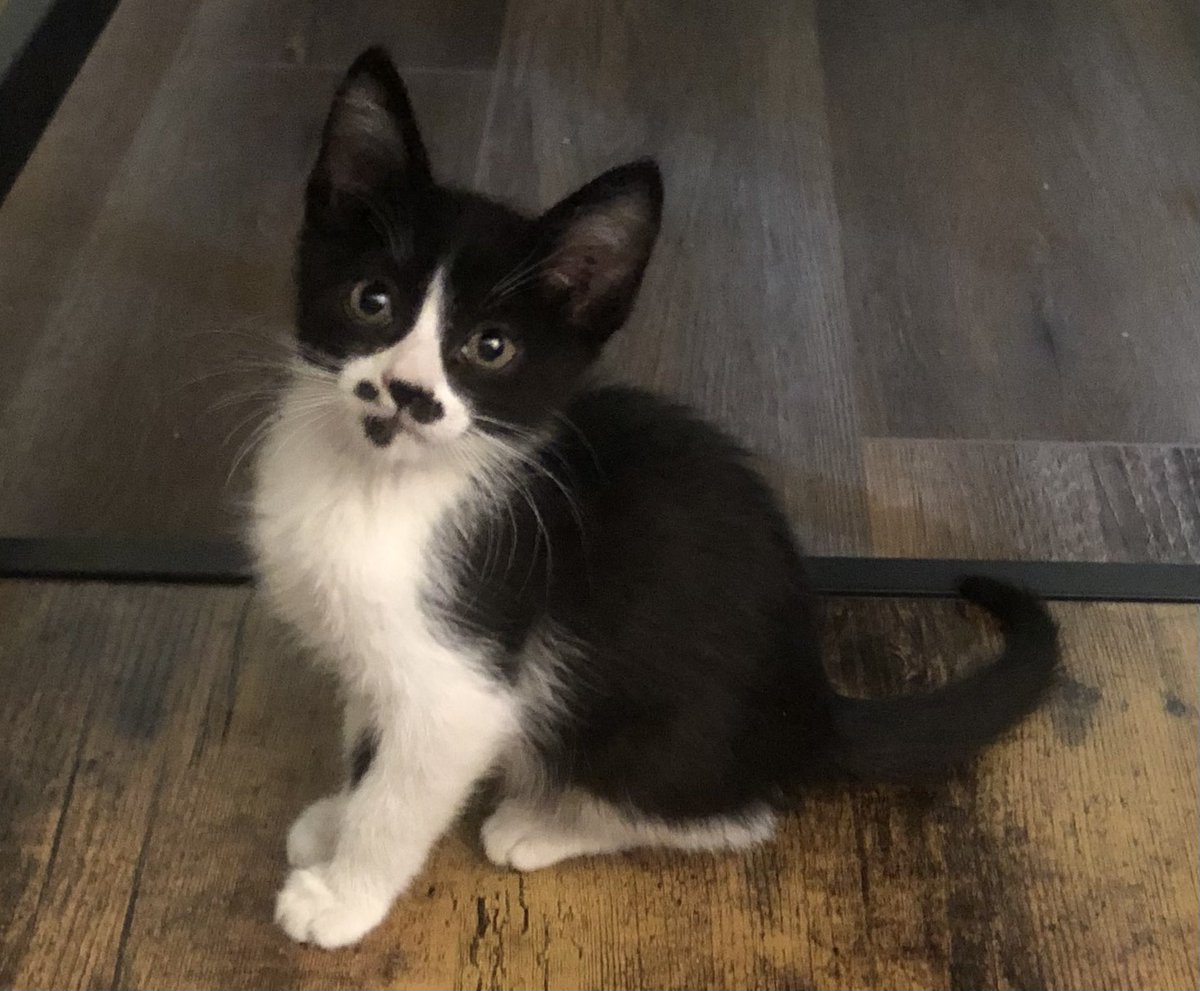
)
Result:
{"points": [[586, 593]]}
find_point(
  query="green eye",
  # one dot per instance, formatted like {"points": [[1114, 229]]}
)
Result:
{"points": [[370, 303], [489, 348]]}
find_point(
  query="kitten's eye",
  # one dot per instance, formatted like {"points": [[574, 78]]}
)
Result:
{"points": [[489, 348], [370, 303]]}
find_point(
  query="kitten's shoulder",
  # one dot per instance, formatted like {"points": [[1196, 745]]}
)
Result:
{"points": [[622, 414]]}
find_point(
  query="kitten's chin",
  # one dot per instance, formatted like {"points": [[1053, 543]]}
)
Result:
{"points": [[392, 442], [402, 449]]}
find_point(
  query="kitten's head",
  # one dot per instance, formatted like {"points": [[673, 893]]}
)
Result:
{"points": [[436, 313]]}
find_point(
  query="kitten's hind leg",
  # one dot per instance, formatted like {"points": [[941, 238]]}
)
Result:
{"points": [[528, 836]]}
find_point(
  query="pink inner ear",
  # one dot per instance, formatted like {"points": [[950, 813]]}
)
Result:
{"points": [[598, 253], [364, 141]]}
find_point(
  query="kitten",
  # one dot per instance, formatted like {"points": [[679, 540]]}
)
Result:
{"points": [[585, 592]]}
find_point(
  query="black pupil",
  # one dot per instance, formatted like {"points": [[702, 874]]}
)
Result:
{"points": [[491, 347], [373, 299]]}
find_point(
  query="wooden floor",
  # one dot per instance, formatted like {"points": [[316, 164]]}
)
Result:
{"points": [[156, 741], [939, 262]]}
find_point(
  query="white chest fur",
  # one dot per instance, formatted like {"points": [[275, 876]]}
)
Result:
{"points": [[347, 552]]}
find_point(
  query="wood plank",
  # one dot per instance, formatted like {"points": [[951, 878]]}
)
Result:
{"points": [[121, 672], [47, 215], [1066, 858], [1034, 501], [1118, 853], [421, 34], [742, 311], [1017, 188], [45, 709], [1081, 823]]}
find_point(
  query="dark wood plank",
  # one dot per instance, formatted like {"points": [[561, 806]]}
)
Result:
{"points": [[1034, 501], [429, 34], [742, 310], [45, 219], [145, 252], [1017, 186], [1066, 858]]}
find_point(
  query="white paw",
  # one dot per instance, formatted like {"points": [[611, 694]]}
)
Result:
{"points": [[310, 910], [517, 836], [313, 836]]}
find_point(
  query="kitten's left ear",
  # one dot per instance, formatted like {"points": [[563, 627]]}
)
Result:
{"points": [[598, 241], [371, 140]]}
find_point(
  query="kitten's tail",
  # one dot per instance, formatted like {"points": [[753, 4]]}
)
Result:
{"points": [[913, 737]]}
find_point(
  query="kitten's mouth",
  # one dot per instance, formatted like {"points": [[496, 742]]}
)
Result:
{"points": [[380, 430]]}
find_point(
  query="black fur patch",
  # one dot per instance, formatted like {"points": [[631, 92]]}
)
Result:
{"points": [[420, 404], [362, 757]]}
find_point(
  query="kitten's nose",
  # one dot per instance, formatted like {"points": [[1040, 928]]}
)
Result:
{"points": [[419, 402]]}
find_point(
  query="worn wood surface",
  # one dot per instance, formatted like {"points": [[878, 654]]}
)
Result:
{"points": [[886, 224], [1033, 500], [157, 741], [1018, 192]]}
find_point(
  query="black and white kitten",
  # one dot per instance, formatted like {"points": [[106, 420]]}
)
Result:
{"points": [[584, 592]]}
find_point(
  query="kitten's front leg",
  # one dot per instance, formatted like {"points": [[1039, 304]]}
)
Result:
{"points": [[427, 759], [312, 838]]}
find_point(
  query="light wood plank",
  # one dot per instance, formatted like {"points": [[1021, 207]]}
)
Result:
{"points": [[1066, 858]]}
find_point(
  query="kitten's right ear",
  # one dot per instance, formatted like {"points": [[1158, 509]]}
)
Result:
{"points": [[370, 140]]}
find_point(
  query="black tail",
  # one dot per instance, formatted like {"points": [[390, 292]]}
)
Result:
{"points": [[915, 736]]}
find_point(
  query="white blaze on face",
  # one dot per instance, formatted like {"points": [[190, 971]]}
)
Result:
{"points": [[416, 361]]}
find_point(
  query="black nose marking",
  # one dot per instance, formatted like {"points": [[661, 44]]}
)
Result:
{"points": [[366, 390], [380, 430], [419, 402]]}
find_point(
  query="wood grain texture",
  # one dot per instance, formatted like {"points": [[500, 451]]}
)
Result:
{"points": [[742, 311], [45, 219], [158, 741], [103, 685], [1034, 501], [1017, 184], [421, 34]]}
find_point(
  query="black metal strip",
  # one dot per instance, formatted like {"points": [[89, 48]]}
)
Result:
{"points": [[121, 559], [41, 75], [1056, 580], [114, 559]]}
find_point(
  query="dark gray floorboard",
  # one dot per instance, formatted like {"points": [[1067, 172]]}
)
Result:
{"points": [[1018, 184], [430, 34], [889, 228]]}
